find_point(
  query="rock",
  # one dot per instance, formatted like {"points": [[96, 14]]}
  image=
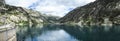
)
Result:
{"points": [[19, 15], [14, 18], [12, 14], [95, 13]]}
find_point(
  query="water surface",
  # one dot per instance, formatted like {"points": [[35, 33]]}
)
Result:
{"points": [[54, 32]]}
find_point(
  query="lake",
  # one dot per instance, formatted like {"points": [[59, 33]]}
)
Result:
{"points": [[62, 32]]}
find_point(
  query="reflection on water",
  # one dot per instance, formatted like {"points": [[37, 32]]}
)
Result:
{"points": [[68, 33], [55, 35]]}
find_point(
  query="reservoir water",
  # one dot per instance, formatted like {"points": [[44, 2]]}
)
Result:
{"points": [[56, 32]]}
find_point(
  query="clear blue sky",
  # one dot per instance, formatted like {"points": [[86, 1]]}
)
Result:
{"points": [[50, 7]]}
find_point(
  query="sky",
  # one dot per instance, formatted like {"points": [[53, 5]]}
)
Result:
{"points": [[50, 7]]}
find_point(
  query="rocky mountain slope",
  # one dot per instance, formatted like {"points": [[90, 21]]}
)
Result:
{"points": [[18, 15], [98, 12]]}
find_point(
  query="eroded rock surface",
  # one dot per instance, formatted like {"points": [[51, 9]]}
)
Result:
{"points": [[98, 12]]}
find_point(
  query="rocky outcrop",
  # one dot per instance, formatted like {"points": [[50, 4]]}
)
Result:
{"points": [[12, 14], [98, 12]]}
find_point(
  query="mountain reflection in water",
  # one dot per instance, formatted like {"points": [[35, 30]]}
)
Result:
{"points": [[56, 32]]}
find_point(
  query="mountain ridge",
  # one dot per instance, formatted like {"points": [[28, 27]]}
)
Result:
{"points": [[19, 15], [98, 12]]}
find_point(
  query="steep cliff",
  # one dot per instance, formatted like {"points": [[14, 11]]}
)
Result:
{"points": [[18, 15], [98, 12]]}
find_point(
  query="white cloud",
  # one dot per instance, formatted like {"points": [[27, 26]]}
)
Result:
{"points": [[53, 7], [22, 3], [57, 10]]}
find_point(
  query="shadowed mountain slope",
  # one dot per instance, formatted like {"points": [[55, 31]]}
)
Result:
{"points": [[98, 12]]}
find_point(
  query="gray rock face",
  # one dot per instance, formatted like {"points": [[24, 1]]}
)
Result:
{"points": [[97, 12], [12, 14], [2, 1]]}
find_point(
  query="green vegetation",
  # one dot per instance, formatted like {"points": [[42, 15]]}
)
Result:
{"points": [[22, 16], [95, 13]]}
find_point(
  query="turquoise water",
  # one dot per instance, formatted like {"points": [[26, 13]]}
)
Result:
{"points": [[56, 32]]}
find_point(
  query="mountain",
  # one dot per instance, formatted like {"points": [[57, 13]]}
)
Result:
{"points": [[51, 18], [97, 12], [19, 15]]}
